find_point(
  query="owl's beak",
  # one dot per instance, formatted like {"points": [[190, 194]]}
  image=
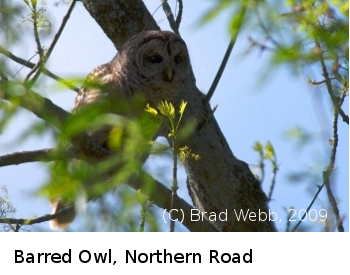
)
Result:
{"points": [[169, 72]]}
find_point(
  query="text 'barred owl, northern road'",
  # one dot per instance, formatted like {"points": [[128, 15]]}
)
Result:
{"points": [[152, 64]]}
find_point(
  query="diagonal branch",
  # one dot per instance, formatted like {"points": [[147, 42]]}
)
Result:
{"points": [[58, 34], [170, 16], [326, 179], [179, 15], [40, 50], [221, 69], [43, 58], [31, 65], [331, 93], [235, 32], [328, 172]]}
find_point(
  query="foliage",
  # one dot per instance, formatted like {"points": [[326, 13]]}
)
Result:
{"points": [[7, 210]]}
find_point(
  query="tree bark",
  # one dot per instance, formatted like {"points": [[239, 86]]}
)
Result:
{"points": [[217, 182]]}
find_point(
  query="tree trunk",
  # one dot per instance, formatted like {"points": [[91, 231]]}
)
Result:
{"points": [[217, 182]]}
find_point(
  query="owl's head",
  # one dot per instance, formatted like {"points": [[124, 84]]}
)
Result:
{"points": [[157, 60]]}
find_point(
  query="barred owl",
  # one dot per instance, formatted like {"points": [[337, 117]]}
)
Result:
{"points": [[152, 64]]}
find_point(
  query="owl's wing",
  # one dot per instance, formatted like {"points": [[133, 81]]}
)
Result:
{"points": [[92, 91], [99, 85], [94, 87]]}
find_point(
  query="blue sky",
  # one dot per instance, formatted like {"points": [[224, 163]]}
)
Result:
{"points": [[248, 110]]}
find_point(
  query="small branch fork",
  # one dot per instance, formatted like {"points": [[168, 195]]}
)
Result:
{"points": [[38, 68], [327, 173], [331, 93], [175, 25]]}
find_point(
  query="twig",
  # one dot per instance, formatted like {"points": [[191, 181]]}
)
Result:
{"points": [[38, 45], [174, 186], [265, 29], [235, 32], [328, 172], [333, 97], [273, 182], [326, 179], [144, 208], [58, 34], [307, 209], [34, 55], [221, 70], [344, 92], [262, 47], [314, 82], [31, 65], [29, 221], [143, 218], [26, 156], [179, 15], [170, 16], [44, 58]]}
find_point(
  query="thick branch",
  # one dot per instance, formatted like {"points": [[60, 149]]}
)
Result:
{"points": [[121, 19]]}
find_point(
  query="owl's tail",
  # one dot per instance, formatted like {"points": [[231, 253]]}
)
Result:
{"points": [[63, 221]]}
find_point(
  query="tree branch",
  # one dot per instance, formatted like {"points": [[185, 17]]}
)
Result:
{"points": [[58, 34], [170, 16], [26, 156], [157, 192], [31, 65], [41, 219], [179, 15], [54, 115], [329, 170], [32, 5], [326, 179], [236, 29], [334, 99], [221, 69], [121, 19]]}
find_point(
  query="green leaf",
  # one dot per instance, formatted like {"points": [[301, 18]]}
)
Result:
{"points": [[167, 109], [182, 107], [238, 19], [270, 151], [258, 147], [151, 110]]}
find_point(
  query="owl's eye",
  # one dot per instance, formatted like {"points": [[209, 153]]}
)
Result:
{"points": [[178, 58], [155, 58]]}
